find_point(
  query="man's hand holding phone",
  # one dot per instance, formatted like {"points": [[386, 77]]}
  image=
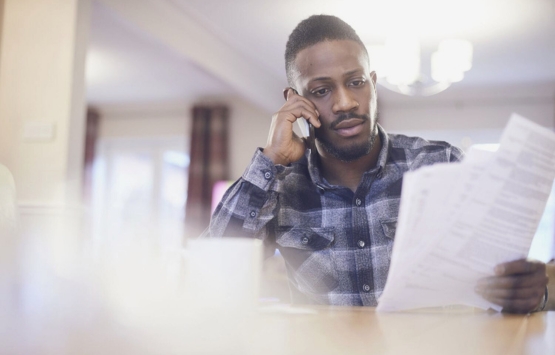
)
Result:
{"points": [[283, 145]]}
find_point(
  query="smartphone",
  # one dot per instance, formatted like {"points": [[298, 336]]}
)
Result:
{"points": [[306, 127]]}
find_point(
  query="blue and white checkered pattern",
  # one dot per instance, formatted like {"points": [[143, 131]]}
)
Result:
{"points": [[336, 243]]}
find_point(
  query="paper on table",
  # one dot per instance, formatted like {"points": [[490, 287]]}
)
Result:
{"points": [[457, 221]]}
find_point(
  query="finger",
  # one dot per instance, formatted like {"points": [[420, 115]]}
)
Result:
{"points": [[518, 281], [521, 266], [301, 109], [292, 95], [293, 98], [535, 293], [515, 306], [288, 92], [312, 117]]}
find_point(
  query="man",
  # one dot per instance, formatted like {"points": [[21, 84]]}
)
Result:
{"points": [[332, 210]]}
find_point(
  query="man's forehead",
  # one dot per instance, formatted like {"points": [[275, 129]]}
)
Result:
{"points": [[330, 57]]}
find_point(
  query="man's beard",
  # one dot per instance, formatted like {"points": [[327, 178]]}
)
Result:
{"points": [[354, 151]]}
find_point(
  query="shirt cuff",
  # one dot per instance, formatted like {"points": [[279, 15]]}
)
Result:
{"points": [[550, 305], [261, 172]]}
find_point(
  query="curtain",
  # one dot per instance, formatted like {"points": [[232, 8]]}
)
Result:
{"points": [[91, 136], [209, 164]]}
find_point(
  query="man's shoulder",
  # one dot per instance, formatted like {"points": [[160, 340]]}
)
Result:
{"points": [[415, 143], [433, 150]]}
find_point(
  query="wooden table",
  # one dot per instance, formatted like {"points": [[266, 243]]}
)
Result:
{"points": [[313, 331], [346, 330]]}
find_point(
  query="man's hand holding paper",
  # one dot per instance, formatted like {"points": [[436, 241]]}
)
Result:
{"points": [[518, 286]]}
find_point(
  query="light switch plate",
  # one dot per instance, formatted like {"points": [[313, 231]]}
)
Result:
{"points": [[38, 131]]}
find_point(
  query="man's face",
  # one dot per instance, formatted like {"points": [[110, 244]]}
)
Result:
{"points": [[335, 76]]}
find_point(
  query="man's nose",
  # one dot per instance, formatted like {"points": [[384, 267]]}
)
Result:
{"points": [[344, 101]]}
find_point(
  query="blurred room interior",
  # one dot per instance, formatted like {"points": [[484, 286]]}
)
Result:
{"points": [[126, 112], [149, 65]]}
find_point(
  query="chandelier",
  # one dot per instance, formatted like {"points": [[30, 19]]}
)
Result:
{"points": [[398, 65]]}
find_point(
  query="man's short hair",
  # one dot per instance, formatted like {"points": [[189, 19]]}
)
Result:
{"points": [[313, 30]]}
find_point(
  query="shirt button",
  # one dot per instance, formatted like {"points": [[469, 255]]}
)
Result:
{"points": [[361, 243], [253, 214], [305, 240], [366, 288], [267, 175], [358, 202]]}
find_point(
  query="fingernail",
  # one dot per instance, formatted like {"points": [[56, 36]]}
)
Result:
{"points": [[499, 270]]}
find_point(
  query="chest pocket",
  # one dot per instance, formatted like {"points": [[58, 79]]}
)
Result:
{"points": [[309, 257], [305, 238], [389, 227]]}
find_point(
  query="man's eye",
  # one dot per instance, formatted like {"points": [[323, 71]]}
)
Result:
{"points": [[320, 92], [358, 82]]}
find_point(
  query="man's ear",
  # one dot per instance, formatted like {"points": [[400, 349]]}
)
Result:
{"points": [[374, 77]]}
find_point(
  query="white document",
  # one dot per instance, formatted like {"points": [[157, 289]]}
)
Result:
{"points": [[458, 221]]}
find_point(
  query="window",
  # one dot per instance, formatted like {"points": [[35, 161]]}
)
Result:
{"points": [[139, 190]]}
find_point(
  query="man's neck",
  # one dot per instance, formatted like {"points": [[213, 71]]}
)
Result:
{"points": [[349, 174]]}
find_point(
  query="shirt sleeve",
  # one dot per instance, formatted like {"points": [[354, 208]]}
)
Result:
{"points": [[249, 206], [550, 305], [456, 155]]}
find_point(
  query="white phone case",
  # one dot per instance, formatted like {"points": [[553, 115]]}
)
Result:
{"points": [[303, 125]]}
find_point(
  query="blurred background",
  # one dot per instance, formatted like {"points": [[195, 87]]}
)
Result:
{"points": [[128, 112], [150, 64]]}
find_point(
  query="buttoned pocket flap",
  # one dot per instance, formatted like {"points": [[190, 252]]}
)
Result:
{"points": [[389, 227], [306, 238]]}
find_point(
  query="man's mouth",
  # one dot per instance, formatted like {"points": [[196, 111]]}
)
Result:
{"points": [[349, 127]]}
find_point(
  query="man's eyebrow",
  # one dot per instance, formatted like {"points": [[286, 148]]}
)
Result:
{"points": [[355, 71], [320, 78]]}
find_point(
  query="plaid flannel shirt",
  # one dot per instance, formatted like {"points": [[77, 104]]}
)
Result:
{"points": [[336, 243]]}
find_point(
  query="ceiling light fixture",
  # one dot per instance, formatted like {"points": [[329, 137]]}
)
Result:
{"points": [[398, 65]]}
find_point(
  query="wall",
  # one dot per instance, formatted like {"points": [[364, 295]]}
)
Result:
{"points": [[249, 125], [144, 120], [249, 130], [469, 116], [41, 97]]}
